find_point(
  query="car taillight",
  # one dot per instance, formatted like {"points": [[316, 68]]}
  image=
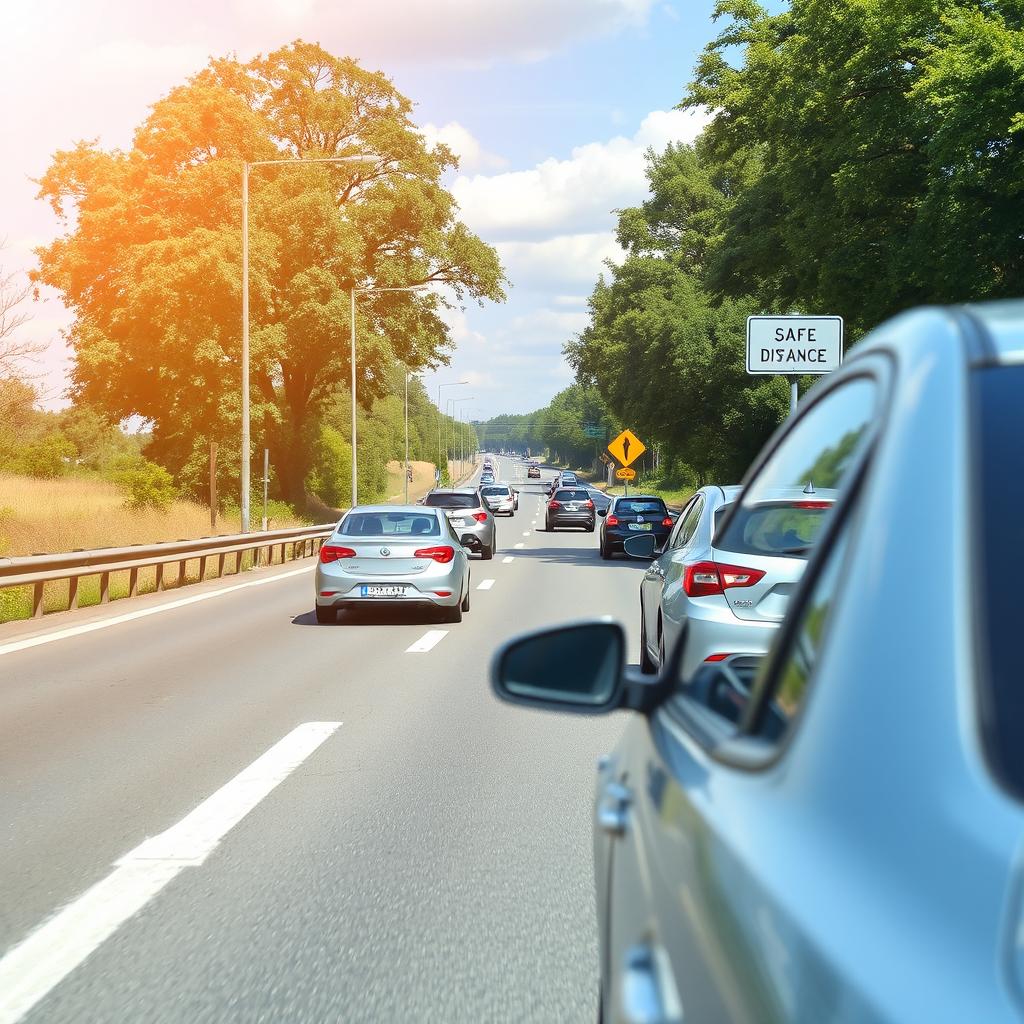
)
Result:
{"points": [[443, 553], [588, 504], [331, 553], [701, 579], [812, 504], [612, 520], [717, 657], [667, 521], [480, 517], [554, 504]]}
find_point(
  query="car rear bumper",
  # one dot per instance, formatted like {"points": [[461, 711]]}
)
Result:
{"points": [[413, 595], [615, 537], [715, 630], [571, 519]]}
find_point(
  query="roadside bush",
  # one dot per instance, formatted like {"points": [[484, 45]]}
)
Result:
{"points": [[145, 484], [48, 458]]}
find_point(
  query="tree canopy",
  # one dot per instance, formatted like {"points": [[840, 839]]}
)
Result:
{"points": [[150, 261]]}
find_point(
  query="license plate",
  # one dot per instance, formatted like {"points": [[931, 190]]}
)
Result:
{"points": [[382, 591], [572, 508], [457, 522], [639, 526]]}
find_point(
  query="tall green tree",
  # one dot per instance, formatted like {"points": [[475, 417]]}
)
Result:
{"points": [[150, 258]]}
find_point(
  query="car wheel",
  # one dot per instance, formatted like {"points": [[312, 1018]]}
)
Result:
{"points": [[646, 661], [590, 528], [661, 647], [605, 551], [488, 553], [453, 614], [465, 598], [326, 615]]}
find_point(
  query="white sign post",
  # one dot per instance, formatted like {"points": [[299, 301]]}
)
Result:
{"points": [[794, 346]]}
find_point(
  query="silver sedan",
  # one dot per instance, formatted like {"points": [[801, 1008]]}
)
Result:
{"points": [[393, 555]]}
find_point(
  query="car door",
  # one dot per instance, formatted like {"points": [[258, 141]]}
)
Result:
{"points": [[693, 928], [653, 583], [694, 533]]}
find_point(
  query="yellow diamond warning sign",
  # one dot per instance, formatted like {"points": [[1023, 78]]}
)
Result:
{"points": [[627, 448]]}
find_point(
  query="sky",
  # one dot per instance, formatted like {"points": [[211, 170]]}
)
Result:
{"points": [[550, 105]]}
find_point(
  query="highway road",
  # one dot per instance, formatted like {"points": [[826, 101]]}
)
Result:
{"points": [[343, 824]]}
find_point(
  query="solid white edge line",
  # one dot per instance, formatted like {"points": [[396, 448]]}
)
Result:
{"points": [[49, 954], [485, 585], [427, 642], [526, 533], [116, 620]]}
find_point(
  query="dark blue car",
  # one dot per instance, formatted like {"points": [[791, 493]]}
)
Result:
{"points": [[635, 516]]}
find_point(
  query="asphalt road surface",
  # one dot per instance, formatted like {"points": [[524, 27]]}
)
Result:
{"points": [[343, 824]]}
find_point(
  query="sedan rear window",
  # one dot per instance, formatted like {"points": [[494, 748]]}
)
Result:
{"points": [[640, 506], [787, 528], [566, 495], [451, 500], [386, 524], [491, 491]]}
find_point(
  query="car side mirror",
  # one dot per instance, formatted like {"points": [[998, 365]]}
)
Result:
{"points": [[644, 546], [602, 511], [467, 540], [574, 668]]}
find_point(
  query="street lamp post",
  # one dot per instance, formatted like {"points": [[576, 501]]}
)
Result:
{"points": [[456, 402], [440, 419], [246, 166], [369, 289]]}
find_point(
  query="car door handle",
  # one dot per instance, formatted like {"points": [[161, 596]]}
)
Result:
{"points": [[613, 808], [649, 994]]}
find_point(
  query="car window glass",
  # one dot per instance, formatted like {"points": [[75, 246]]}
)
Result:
{"points": [[568, 495], [441, 500], [678, 528], [811, 465], [805, 646], [377, 524], [637, 507], [689, 524]]}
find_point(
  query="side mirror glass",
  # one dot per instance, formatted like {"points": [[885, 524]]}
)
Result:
{"points": [[602, 511], [643, 546], [573, 668]]}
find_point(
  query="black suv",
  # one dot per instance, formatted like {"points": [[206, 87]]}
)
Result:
{"points": [[634, 516]]}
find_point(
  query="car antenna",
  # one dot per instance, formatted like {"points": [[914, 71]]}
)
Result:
{"points": [[809, 489]]}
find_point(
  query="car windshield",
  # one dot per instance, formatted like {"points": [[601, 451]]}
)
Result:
{"points": [[490, 492], [441, 499], [378, 524]]}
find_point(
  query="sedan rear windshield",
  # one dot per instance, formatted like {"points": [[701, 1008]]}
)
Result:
{"points": [[784, 528], [566, 495], [451, 500], [491, 491], [999, 529], [386, 524], [638, 506]]}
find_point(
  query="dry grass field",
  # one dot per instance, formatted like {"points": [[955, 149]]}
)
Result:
{"points": [[49, 516]]}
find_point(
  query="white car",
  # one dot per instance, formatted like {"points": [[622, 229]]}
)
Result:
{"points": [[501, 499]]}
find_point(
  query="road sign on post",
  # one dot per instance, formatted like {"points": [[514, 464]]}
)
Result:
{"points": [[625, 473], [627, 447], [793, 346]]}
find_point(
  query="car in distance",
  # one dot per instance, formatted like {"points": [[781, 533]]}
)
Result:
{"points": [[486, 478], [630, 516], [728, 590], [469, 515], [570, 506], [533, 473], [775, 838], [404, 556], [501, 499]]}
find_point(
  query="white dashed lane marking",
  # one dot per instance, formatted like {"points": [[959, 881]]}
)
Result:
{"points": [[507, 559], [519, 545], [485, 585], [427, 642]]}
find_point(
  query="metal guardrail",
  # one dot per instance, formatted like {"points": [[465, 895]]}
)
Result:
{"points": [[38, 570]]}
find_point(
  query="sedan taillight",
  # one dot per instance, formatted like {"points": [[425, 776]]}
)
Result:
{"points": [[480, 517], [443, 553], [612, 519], [331, 553], [554, 504], [588, 504], [701, 579], [667, 521]]}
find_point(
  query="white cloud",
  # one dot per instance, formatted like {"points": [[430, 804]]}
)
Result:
{"points": [[474, 33], [575, 195], [462, 142], [565, 263]]}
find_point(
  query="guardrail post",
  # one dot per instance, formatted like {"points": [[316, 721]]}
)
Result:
{"points": [[181, 573], [133, 582], [104, 587], [37, 601], [282, 552], [202, 568], [72, 593], [220, 565], [159, 577]]}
